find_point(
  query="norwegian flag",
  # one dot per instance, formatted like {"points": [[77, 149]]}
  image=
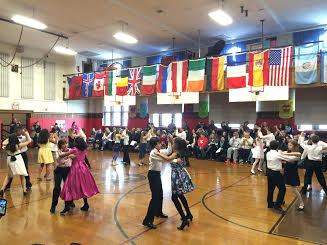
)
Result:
{"points": [[134, 79], [280, 63]]}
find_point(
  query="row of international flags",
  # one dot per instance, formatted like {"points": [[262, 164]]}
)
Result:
{"points": [[270, 67]]}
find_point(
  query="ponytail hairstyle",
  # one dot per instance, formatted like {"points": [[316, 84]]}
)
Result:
{"points": [[181, 146], [12, 143], [43, 136]]}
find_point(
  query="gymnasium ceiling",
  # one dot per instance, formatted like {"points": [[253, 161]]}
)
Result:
{"points": [[90, 25]]}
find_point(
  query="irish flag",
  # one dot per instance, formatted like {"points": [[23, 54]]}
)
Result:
{"points": [[215, 74], [177, 76], [149, 79], [110, 82], [259, 69], [195, 79]]}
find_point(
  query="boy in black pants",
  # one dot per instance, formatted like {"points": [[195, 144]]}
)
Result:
{"points": [[155, 205], [61, 172], [274, 176]]}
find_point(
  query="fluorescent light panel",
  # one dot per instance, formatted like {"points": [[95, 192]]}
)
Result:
{"points": [[28, 22], [124, 37], [221, 17], [63, 50]]}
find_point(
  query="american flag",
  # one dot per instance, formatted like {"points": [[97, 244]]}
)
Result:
{"points": [[134, 79], [280, 63]]}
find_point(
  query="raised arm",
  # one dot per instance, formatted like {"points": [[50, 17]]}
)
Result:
{"points": [[28, 139], [167, 158]]}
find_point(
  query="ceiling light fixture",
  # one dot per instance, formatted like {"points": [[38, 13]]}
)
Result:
{"points": [[28, 22], [124, 37], [221, 17], [63, 50]]}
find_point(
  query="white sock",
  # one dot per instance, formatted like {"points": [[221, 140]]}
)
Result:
{"points": [[298, 195]]}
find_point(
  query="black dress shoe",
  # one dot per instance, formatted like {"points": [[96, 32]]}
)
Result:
{"points": [[85, 207], [164, 216], [279, 209], [149, 225], [52, 209], [65, 211], [72, 205]]}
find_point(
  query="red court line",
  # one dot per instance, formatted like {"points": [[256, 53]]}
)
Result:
{"points": [[194, 204]]}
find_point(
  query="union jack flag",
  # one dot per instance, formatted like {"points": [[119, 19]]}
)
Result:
{"points": [[134, 78]]}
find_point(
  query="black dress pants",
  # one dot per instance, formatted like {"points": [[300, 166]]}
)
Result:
{"points": [[275, 178], [126, 154], [243, 154], [27, 178], [60, 174], [314, 166], [155, 205]]}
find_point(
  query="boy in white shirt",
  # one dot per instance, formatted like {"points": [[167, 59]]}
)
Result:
{"points": [[155, 165], [274, 176]]}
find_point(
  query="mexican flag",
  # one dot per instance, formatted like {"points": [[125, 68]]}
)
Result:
{"points": [[195, 79], [149, 79]]}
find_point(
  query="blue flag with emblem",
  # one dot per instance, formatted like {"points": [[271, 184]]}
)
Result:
{"points": [[87, 86], [143, 110], [306, 64]]}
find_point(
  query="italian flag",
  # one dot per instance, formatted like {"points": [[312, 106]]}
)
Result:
{"points": [[177, 76], [195, 79], [149, 79]]}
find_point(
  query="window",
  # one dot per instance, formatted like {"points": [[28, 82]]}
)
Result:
{"points": [[305, 127], [218, 125], [234, 125], [322, 127], [166, 119], [49, 80], [251, 126], [4, 77], [115, 115], [155, 119], [178, 120], [27, 78]]}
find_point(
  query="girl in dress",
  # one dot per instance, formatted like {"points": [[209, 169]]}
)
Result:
{"points": [[116, 147], [258, 154], [45, 158], [291, 175], [79, 182], [181, 182], [15, 160]]}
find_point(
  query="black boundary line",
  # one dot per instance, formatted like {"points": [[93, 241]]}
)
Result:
{"points": [[274, 234], [116, 208], [281, 217]]}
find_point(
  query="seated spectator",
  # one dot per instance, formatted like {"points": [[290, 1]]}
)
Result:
{"points": [[234, 144], [91, 139], [181, 133], [106, 139], [212, 147], [163, 140], [185, 127], [221, 153], [201, 125], [203, 146], [98, 139], [245, 126], [245, 148], [212, 126]]}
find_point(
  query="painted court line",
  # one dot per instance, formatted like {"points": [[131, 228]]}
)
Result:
{"points": [[130, 239]]}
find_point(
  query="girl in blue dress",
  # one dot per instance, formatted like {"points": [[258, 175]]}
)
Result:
{"points": [[181, 182]]}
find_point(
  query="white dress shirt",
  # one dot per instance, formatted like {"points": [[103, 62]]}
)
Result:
{"points": [[126, 139], [22, 139], [314, 151], [268, 138], [305, 152], [155, 160], [181, 135], [275, 158]]}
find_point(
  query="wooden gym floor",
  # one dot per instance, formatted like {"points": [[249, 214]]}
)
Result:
{"points": [[228, 205]]}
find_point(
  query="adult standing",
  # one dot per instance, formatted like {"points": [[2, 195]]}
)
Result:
{"points": [[171, 127], [36, 129], [74, 126]]}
